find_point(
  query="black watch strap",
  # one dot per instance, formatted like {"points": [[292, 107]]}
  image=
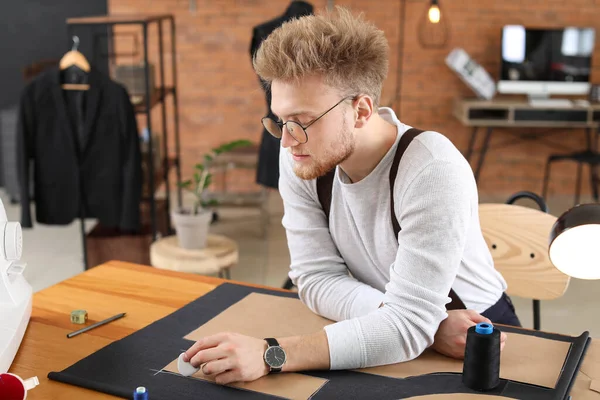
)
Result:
{"points": [[273, 342]]}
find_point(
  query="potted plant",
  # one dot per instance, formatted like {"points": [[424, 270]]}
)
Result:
{"points": [[192, 223]]}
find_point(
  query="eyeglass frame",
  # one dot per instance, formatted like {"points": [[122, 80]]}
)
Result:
{"points": [[304, 128]]}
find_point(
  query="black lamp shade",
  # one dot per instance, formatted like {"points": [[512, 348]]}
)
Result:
{"points": [[574, 242]]}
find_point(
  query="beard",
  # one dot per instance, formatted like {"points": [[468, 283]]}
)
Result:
{"points": [[338, 151]]}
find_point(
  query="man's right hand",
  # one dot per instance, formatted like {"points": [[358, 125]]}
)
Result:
{"points": [[451, 336]]}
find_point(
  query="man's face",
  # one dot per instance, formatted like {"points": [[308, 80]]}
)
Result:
{"points": [[330, 139]]}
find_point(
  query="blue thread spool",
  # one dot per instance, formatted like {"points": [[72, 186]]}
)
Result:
{"points": [[140, 393], [481, 368], [484, 328]]}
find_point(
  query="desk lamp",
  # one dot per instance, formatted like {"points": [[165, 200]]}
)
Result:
{"points": [[15, 293], [574, 242]]}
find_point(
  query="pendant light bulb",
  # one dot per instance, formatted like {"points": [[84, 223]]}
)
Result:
{"points": [[433, 30], [434, 14]]}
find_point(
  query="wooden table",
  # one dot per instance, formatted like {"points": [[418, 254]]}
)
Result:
{"points": [[147, 294]]}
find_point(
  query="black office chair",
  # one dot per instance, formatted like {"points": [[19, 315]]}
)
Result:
{"points": [[590, 157]]}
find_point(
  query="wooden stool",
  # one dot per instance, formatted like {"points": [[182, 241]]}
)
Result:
{"points": [[219, 255]]}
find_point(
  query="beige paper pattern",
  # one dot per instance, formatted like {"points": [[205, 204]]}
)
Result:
{"points": [[261, 315], [586, 385], [525, 358]]}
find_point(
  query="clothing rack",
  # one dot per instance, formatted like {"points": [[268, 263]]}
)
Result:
{"points": [[151, 99]]}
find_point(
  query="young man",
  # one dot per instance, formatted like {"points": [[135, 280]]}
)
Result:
{"points": [[388, 293]]}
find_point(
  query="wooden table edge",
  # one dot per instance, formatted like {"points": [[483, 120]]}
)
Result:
{"points": [[184, 275]]}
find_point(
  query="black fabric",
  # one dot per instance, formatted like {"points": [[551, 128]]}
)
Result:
{"points": [[85, 151], [503, 312], [325, 187], [75, 101], [123, 365], [267, 172]]}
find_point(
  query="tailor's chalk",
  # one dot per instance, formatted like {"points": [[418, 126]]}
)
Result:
{"points": [[185, 368]]}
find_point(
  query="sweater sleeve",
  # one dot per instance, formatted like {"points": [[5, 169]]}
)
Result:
{"points": [[317, 268], [434, 213]]}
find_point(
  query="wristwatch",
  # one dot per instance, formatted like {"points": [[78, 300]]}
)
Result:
{"points": [[274, 355]]}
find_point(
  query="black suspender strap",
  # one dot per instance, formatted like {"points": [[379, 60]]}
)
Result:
{"points": [[324, 189], [405, 140]]}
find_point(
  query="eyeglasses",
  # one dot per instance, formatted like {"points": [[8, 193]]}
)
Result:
{"points": [[297, 131]]}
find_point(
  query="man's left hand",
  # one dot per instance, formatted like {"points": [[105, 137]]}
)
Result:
{"points": [[229, 357]]}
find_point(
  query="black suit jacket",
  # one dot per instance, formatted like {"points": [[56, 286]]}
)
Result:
{"points": [[84, 165], [268, 158]]}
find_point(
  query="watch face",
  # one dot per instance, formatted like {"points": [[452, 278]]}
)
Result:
{"points": [[275, 357]]}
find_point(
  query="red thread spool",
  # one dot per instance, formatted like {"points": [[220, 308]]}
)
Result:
{"points": [[11, 387]]}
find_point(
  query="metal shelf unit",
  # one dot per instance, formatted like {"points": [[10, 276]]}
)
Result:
{"points": [[157, 96]]}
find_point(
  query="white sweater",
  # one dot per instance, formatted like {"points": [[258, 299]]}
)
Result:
{"points": [[346, 269]]}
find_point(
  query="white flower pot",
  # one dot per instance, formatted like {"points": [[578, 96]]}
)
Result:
{"points": [[192, 230]]}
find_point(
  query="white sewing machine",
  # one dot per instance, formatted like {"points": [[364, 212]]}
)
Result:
{"points": [[15, 293]]}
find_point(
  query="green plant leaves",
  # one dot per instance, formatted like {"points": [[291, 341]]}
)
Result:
{"points": [[208, 181], [202, 179], [231, 146], [185, 184]]}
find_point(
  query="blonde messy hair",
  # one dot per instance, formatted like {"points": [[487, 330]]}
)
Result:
{"points": [[350, 53]]}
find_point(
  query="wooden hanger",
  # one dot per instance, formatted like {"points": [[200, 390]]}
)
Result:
{"points": [[75, 58]]}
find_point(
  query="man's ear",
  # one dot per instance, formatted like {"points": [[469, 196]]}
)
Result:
{"points": [[363, 109]]}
